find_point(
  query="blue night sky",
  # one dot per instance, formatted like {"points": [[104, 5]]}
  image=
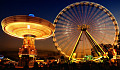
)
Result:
{"points": [[46, 9]]}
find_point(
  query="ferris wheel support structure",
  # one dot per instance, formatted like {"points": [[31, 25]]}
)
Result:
{"points": [[92, 41], [76, 45]]}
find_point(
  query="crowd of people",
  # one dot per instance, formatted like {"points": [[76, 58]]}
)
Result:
{"points": [[65, 66]]}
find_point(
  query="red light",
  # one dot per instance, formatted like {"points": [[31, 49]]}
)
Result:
{"points": [[104, 54]]}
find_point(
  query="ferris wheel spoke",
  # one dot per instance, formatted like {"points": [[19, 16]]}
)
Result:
{"points": [[102, 17], [65, 41], [96, 33], [66, 26], [94, 15], [103, 38], [96, 18], [76, 14], [90, 16], [62, 30], [82, 13], [78, 8], [62, 33], [65, 35], [65, 29], [63, 22], [72, 17], [69, 18], [100, 39], [99, 35], [105, 32], [97, 14], [86, 7], [103, 28], [109, 23], [101, 22], [68, 22], [62, 45], [105, 20], [61, 36], [69, 43], [108, 31], [69, 37], [71, 11], [111, 35]]}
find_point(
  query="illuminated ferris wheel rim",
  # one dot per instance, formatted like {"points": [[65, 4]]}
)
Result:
{"points": [[21, 25], [87, 4]]}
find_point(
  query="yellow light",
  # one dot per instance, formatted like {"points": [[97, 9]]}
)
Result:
{"points": [[39, 60], [31, 56], [28, 26], [74, 55], [20, 55]]}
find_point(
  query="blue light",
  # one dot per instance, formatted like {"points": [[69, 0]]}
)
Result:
{"points": [[32, 15], [1, 56]]}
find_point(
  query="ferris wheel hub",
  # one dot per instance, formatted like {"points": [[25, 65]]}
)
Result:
{"points": [[83, 27]]}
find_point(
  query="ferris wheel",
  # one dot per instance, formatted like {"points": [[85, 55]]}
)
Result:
{"points": [[82, 26]]}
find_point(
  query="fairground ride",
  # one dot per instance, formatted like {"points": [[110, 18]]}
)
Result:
{"points": [[29, 28], [83, 26]]}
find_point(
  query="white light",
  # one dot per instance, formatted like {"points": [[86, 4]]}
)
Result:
{"points": [[28, 26]]}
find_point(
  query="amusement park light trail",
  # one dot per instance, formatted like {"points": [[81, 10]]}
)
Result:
{"points": [[14, 30], [19, 27]]}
